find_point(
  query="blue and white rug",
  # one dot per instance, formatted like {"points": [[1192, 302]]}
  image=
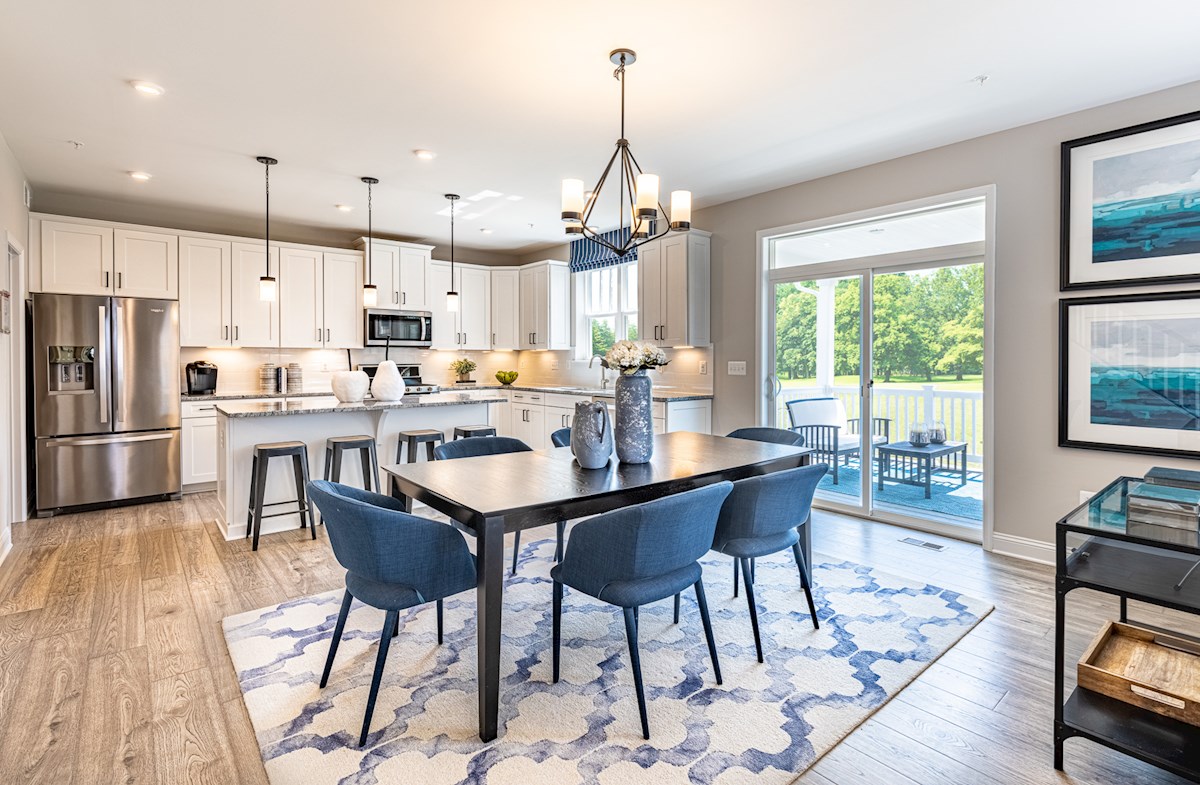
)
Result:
{"points": [[767, 723]]}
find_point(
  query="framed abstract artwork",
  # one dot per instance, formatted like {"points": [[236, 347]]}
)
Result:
{"points": [[1129, 373], [1131, 206]]}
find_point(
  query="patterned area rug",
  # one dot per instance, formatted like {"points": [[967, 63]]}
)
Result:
{"points": [[766, 724]]}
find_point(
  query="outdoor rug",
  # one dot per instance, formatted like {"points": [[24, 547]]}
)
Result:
{"points": [[766, 724]]}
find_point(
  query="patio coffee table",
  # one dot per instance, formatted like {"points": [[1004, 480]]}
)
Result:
{"points": [[908, 464]]}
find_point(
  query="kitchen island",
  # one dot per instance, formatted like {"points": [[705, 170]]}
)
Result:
{"points": [[312, 420]]}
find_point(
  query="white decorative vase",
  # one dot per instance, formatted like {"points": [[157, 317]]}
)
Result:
{"points": [[388, 384], [350, 386]]}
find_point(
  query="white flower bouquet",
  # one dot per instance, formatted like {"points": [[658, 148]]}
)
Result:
{"points": [[629, 357]]}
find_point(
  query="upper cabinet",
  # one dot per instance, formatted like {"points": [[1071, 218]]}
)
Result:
{"points": [[400, 272], [545, 305], [342, 300], [674, 290], [506, 309], [302, 297], [205, 292], [255, 322], [469, 326], [146, 264]]}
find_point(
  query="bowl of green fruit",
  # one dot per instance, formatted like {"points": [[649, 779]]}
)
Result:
{"points": [[506, 377]]}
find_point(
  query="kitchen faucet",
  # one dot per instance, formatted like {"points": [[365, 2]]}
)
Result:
{"points": [[603, 370]]}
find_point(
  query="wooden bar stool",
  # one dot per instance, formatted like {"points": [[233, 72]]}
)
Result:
{"points": [[467, 431], [263, 453], [336, 445], [430, 437]]}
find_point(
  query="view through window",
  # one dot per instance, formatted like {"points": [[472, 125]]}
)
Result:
{"points": [[608, 307]]}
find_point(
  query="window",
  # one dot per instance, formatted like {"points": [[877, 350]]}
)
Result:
{"points": [[606, 308]]}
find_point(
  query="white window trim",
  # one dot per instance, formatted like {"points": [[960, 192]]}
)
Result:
{"points": [[581, 337]]}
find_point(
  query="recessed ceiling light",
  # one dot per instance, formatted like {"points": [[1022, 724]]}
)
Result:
{"points": [[345, 208], [141, 177], [148, 88], [486, 231], [425, 155]]}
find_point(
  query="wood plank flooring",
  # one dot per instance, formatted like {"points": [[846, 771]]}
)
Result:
{"points": [[113, 668]]}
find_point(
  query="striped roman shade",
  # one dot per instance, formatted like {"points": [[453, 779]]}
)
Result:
{"points": [[587, 254]]}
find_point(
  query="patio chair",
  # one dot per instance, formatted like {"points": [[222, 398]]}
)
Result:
{"points": [[822, 421]]}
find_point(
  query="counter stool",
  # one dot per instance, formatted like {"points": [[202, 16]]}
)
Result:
{"points": [[467, 431], [263, 453], [336, 445], [427, 436]]}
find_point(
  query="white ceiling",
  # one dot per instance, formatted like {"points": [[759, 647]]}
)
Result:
{"points": [[725, 100]]}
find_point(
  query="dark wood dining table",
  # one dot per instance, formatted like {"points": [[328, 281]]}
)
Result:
{"points": [[488, 496]]}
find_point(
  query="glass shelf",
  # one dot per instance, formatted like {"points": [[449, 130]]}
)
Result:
{"points": [[1106, 515]]}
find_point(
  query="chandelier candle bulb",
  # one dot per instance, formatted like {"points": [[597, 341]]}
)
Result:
{"points": [[681, 210], [647, 195], [572, 199]]}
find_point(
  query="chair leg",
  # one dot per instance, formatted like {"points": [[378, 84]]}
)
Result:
{"points": [[750, 602], [327, 474], [299, 489], [560, 532], [364, 457], [676, 608], [806, 583], [516, 551], [373, 458], [557, 627], [708, 633], [439, 621], [735, 577], [753, 569], [631, 632], [337, 637], [385, 642], [259, 491], [250, 506]]}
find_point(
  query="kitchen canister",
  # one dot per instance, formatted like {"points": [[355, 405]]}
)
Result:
{"points": [[268, 379], [295, 378]]}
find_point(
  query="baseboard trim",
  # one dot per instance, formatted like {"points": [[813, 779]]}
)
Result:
{"points": [[5, 544], [1023, 548]]}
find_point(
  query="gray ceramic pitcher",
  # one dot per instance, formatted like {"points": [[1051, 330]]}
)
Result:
{"points": [[591, 435]]}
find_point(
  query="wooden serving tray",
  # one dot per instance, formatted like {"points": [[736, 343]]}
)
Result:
{"points": [[1160, 673]]}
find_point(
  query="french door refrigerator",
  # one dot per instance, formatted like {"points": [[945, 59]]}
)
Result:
{"points": [[105, 399]]}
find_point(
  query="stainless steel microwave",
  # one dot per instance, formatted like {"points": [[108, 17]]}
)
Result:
{"points": [[400, 328]]}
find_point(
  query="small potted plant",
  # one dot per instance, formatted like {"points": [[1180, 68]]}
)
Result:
{"points": [[463, 368]]}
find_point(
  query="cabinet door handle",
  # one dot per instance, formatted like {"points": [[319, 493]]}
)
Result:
{"points": [[224, 332], [326, 334], [105, 279], [120, 280], [396, 298], [318, 335], [235, 332], [404, 298], [493, 339], [464, 339]]}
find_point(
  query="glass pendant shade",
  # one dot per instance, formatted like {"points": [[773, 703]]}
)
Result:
{"points": [[647, 195], [681, 210], [267, 289], [572, 199], [452, 302], [370, 296]]}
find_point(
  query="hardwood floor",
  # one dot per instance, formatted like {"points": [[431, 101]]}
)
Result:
{"points": [[113, 668]]}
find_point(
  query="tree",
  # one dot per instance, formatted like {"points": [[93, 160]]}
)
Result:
{"points": [[795, 331], [603, 336]]}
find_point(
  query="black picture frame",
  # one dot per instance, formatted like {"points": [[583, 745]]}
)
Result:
{"points": [[1065, 282], [1064, 381]]}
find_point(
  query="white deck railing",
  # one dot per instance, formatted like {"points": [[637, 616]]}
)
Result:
{"points": [[960, 410]]}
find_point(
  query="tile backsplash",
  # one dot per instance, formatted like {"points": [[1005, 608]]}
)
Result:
{"points": [[238, 368]]}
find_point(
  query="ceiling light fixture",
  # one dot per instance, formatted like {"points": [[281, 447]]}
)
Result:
{"points": [[452, 295], [425, 155], [640, 187], [370, 293], [141, 177], [267, 285], [147, 88], [345, 208]]}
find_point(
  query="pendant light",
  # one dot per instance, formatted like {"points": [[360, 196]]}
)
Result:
{"points": [[268, 287], [452, 295], [370, 293]]}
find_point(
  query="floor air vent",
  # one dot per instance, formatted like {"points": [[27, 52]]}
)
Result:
{"points": [[931, 546]]}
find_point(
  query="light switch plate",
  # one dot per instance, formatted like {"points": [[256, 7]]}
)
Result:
{"points": [[554, 364], [703, 367], [737, 367]]}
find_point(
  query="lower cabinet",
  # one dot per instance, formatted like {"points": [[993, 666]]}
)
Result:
{"points": [[198, 444], [528, 415]]}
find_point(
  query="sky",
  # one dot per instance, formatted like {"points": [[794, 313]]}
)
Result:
{"points": [[1163, 170]]}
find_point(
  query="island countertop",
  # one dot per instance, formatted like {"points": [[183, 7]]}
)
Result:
{"points": [[328, 405]]}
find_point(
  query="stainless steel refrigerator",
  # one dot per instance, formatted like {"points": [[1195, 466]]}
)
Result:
{"points": [[105, 399]]}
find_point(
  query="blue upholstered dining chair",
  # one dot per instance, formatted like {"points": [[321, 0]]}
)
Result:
{"points": [[393, 560], [638, 555], [496, 445], [761, 517], [561, 437]]}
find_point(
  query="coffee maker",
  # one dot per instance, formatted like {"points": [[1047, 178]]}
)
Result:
{"points": [[201, 378]]}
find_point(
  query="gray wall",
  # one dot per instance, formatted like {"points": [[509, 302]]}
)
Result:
{"points": [[1035, 480]]}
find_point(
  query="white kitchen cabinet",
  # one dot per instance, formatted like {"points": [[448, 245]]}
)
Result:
{"points": [[506, 309], [401, 273], [198, 445], [500, 414], [674, 290], [205, 292], [76, 258], [343, 309], [301, 298], [146, 264], [545, 305], [469, 326], [445, 322], [528, 414], [255, 322]]}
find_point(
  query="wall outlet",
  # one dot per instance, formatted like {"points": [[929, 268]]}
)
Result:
{"points": [[554, 364], [1085, 495], [703, 367], [737, 367]]}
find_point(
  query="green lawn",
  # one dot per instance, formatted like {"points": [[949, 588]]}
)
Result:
{"points": [[898, 382]]}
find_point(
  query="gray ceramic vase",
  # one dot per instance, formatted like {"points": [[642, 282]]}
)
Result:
{"points": [[591, 435], [635, 418]]}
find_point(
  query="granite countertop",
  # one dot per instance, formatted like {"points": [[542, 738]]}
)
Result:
{"points": [[664, 394], [242, 396], [330, 405]]}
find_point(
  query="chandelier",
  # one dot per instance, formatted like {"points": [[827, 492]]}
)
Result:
{"points": [[636, 187]]}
